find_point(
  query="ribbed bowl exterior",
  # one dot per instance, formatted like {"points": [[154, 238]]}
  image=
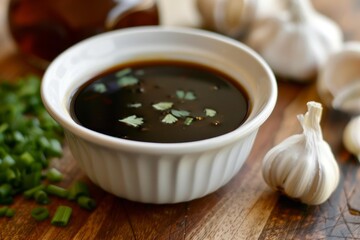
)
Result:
{"points": [[160, 178]]}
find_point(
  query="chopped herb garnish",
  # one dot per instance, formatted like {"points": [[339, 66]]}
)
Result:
{"points": [[189, 95], [100, 87], [57, 191], [180, 113], [10, 212], [54, 175], [78, 189], [40, 213], [127, 81], [210, 112], [134, 105], [41, 197], [169, 119], [188, 121], [62, 216], [133, 121], [123, 72], [162, 106], [86, 202]]}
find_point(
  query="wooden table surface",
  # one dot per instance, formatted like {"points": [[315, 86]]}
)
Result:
{"points": [[245, 208]]}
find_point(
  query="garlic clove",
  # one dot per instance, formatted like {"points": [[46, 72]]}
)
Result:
{"points": [[303, 166], [338, 81], [351, 137]]}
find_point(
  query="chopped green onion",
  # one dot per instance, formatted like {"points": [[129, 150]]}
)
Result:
{"points": [[26, 158], [40, 213], [5, 190], [10, 212], [86, 202], [61, 216], [41, 197], [78, 189], [57, 191], [31, 192], [3, 211], [54, 175]]}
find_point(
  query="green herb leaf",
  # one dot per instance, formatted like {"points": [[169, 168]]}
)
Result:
{"points": [[180, 113], [100, 87], [162, 106], [169, 119], [210, 112], [188, 121], [189, 95], [127, 81], [133, 121], [123, 72], [134, 105]]}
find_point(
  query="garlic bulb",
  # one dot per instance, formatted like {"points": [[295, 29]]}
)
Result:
{"points": [[351, 137], [229, 17], [297, 42], [303, 166], [338, 83]]}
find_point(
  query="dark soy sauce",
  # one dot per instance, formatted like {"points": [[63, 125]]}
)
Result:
{"points": [[161, 101]]}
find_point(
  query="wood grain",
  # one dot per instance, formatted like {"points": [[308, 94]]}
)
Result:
{"points": [[243, 209]]}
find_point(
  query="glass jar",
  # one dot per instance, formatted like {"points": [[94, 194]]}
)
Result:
{"points": [[42, 29]]}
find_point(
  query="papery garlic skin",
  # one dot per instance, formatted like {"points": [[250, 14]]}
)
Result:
{"points": [[303, 166], [296, 43], [351, 137]]}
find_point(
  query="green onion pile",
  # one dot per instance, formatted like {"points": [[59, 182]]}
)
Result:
{"points": [[29, 139]]}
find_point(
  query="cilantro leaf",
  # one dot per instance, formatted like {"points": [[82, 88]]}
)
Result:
{"points": [[188, 121], [127, 81], [169, 119], [189, 95], [123, 72], [134, 105], [180, 113], [100, 87], [162, 106], [210, 112], [132, 120]]}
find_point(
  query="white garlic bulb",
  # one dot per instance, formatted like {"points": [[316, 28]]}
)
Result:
{"points": [[303, 166], [338, 83], [296, 43], [351, 137], [229, 17]]}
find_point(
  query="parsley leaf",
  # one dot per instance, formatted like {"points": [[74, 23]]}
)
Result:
{"points": [[134, 105], [127, 81], [180, 113], [162, 106], [133, 121], [123, 72], [100, 87], [169, 119], [188, 121], [210, 112], [189, 95]]}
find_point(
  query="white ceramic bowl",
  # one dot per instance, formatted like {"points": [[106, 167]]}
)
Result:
{"points": [[158, 172]]}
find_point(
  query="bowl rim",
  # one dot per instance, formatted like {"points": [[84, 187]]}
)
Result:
{"points": [[165, 148]]}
